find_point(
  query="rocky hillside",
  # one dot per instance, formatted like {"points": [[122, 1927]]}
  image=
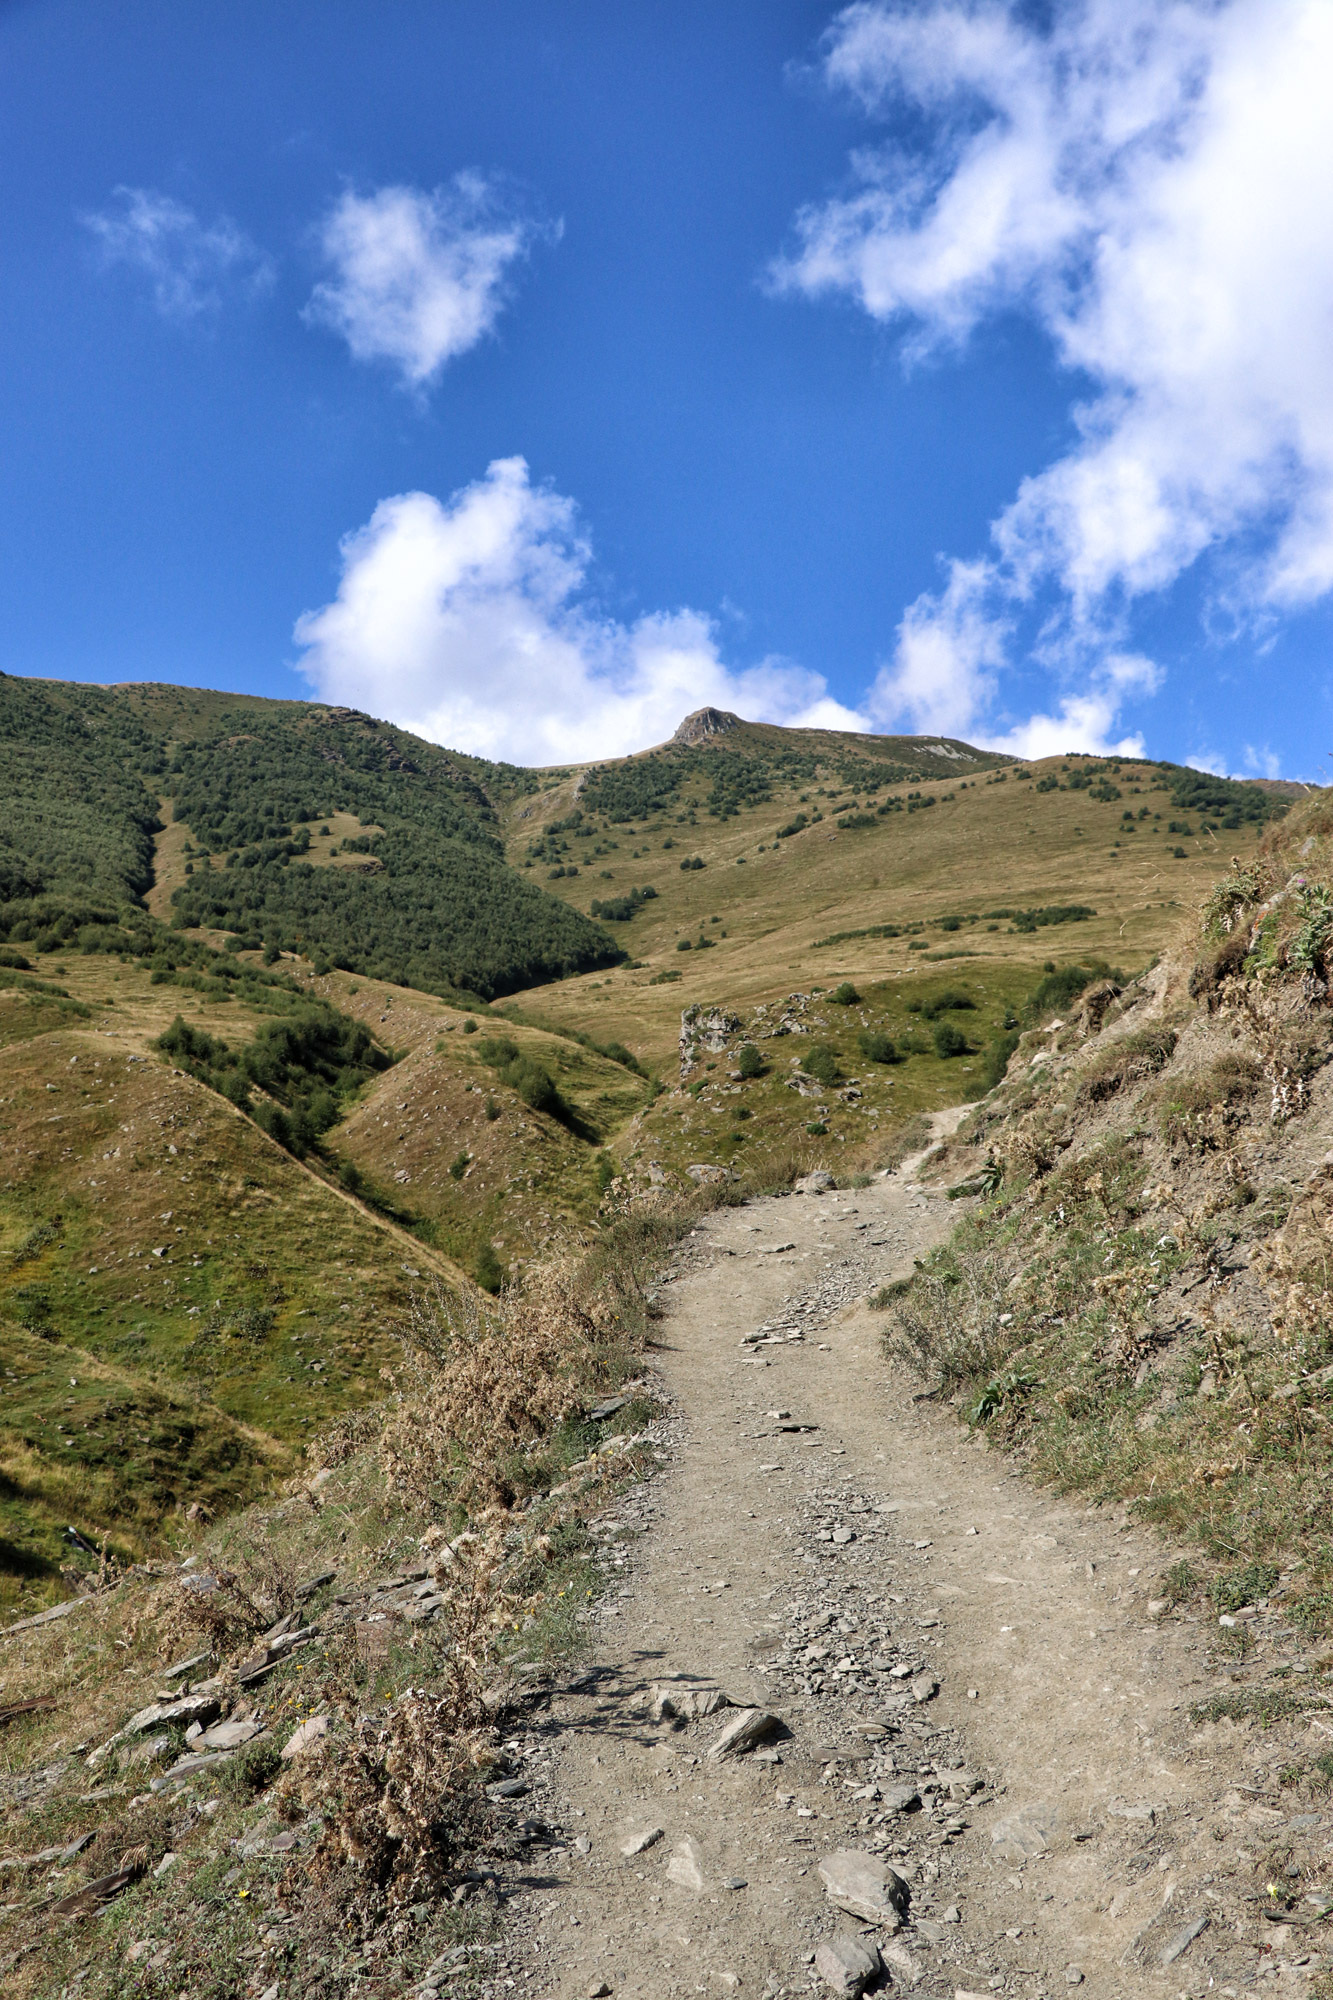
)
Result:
{"points": [[1140, 1305]]}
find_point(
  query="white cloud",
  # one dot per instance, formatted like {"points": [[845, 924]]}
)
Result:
{"points": [[463, 621], [1262, 762], [1140, 178], [417, 278], [949, 648], [190, 265]]}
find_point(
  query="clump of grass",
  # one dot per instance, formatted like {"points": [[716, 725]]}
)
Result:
{"points": [[1244, 1584], [1265, 1706], [1130, 1060], [1180, 1582]]}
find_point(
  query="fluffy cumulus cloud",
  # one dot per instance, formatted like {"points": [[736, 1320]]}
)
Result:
{"points": [[467, 621], [1140, 177], [190, 266], [416, 278]]}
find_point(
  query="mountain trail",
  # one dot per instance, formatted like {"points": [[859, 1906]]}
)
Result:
{"points": [[968, 1683]]}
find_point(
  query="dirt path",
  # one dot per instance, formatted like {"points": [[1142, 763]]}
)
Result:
{"points": [[1073, 1826]]}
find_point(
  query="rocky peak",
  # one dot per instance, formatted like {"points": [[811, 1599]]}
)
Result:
{"points": [[706, 722]]}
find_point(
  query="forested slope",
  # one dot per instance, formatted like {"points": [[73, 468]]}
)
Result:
{"points": [[419, 893]]}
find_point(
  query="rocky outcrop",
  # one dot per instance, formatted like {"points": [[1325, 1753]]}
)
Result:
{"points": [[704, 723], [705, 1031]]}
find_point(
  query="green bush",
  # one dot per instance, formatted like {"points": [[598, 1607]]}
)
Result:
{"points": [[845, 995], [523, 1074], [952, 1000], [459, 1165], [949, 1041], [822, 1063], [876, 1046], [489, 1271], [1243, 1585], [1055, 992], [750, 1063], [251, 1770], [997, 1059]]}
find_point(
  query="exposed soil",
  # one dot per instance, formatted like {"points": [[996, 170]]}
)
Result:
{"points": [[1138, 1821]]}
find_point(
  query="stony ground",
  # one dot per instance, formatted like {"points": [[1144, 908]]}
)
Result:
{"points": [[967, 1682]]}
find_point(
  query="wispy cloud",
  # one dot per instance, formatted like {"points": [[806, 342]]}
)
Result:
{"points": [[417, 278], [465, 620], [1135, 176], [191, 266]]}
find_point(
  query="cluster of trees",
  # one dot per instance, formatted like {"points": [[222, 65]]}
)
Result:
{"points": [[1224, 802], [256, 777], [523, 1074], [79, 819], [441, 915], [306, 1065], [619, 909]]}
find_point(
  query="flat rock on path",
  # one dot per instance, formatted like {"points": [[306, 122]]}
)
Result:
{"points": [[1000, 1799]]}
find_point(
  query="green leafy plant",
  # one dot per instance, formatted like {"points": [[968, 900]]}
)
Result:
{"points": [[749, 1062]]}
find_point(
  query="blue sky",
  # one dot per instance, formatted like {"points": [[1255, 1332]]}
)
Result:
{"points": [[534, 373]]}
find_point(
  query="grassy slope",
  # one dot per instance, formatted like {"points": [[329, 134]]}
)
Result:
{"points": [[529, 1179], [209, 1351], [195, 1375], [998, 842], [1157, 1245]]}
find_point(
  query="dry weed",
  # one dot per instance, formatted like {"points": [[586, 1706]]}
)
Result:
{"points": [[481, 1379]]}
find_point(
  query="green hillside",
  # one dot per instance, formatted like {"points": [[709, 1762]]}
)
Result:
{"points": [[251, 1096], [419, 892]]}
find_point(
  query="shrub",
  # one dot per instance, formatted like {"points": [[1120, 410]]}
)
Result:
{"points": [[845, 995], [751, 1063], [949, 1040], [694, 861], [1129, 1060], [523, 1074], [469, 1026], [876, 1046], [459, 1165], [822, 1063], [489, 1271], [1059, 988], [997, 1059], [251, 1770], [1235, 1587]]}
